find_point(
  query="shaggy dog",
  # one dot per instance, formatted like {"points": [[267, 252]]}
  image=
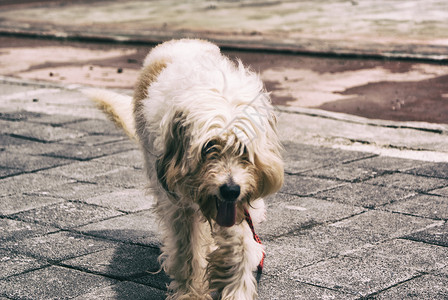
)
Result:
{"points": [[207, 131]]}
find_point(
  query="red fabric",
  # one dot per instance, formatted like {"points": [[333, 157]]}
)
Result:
{"points": [[256, 238]]}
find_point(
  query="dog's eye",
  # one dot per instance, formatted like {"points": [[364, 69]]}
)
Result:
{"points": [[210, 147]]}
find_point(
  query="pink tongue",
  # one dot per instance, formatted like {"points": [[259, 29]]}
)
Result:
{"points": [[226, 216]]}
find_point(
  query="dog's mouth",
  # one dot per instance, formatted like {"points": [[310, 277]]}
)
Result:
{"points": [[226, 215]]}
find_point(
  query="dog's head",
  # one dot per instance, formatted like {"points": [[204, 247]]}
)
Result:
{"points": [[223, 161]]}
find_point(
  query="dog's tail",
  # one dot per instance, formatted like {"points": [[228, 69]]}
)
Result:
{"points": [[117, 107]]}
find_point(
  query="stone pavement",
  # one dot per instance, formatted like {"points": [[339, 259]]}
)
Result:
{"points": [[75, 224], [404, 28]]}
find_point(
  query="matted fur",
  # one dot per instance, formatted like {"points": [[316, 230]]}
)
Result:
{"points": [[205, 124]]}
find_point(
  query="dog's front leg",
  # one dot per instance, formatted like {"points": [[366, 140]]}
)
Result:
{"points": [[232, 264], [184, 252]]}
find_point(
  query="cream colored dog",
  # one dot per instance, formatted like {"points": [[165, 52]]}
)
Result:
{"points": [[207, 131]]}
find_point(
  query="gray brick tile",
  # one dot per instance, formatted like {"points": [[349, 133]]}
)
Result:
{"points": [[306, 186], [344, 172], [409, 182], [133, 158], [78, 191], [84, 171], [95, 126], [12, 263], [441, 192], [94, 140], [129, 178], [67, 214], [428, 206], [437, 235], [365, 195], [125, 290], [282, 288], [300, 157], [355, 275], [434, 170], [28, 183], [39, 132], [287, 213], [422, 287], [416, 255], [158, 280], [139, 228], [124, 262], [28, 163], [15, 230], [382, 164], [87, 152], [8, 141], [52, 283], [128, 200], [16, 203], [6, 172], [386, 224], [58, 246]]}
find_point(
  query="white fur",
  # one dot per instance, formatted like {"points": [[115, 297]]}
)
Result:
{"points": [[210, 98]]}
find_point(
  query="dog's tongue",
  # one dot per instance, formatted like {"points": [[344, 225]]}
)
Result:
{"points": [[226, 216]]}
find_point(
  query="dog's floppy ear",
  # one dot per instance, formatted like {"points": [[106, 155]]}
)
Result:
{"points": [[270, 165], [172, 165]]}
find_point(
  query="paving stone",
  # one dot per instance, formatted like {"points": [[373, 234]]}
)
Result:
{"points": [[58, 246], [343, 172], [125, 177], [124, 261], [437, 235], [95, 126], [428, 206], [15, 230], [386, 224], [280, 288], [355, 275], [306, 247], [12, 263], [128, 200], [307, 186], [382, 164], [8, 141], [434, 170], [21, 115], [84, 171], [365, 195], [28, 163], [39, 132], [159, 280], [287, 213], [52, 283], [442, 272], [86, 152], [409, 182], [78, 191], [300, 157], [94, 140], [125, 290], [16, 203], [422, 287], [67, 214], [133, 158], [441, 192], [6, 172], [28, 183], [55, 120], [139, 228], [416, 255]]}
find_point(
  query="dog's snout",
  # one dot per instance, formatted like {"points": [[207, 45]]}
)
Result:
{"points": [[229, 191]]}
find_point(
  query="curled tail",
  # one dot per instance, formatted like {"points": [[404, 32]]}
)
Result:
{"points": [[117, 107]]}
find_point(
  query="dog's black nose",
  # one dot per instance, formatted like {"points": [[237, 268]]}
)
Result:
{"points": [[229, 192]]}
